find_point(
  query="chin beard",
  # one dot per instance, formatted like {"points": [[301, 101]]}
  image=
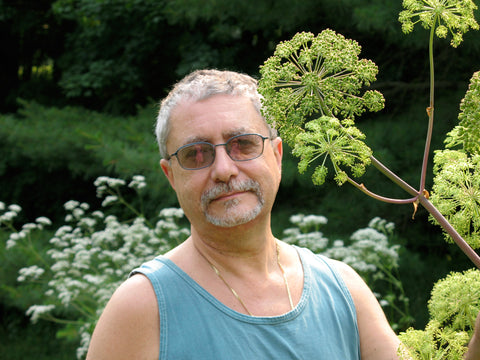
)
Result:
{"points": [[232, 215]]}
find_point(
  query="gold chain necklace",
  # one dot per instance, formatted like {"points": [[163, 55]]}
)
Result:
{"points": [[236, 294]]}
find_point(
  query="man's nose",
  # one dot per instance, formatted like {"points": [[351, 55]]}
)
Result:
{"points": [[223, 167]]}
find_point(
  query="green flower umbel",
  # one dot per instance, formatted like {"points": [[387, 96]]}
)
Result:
{"points": [[467, 133], [325, 138], [454, 16], [320, 75], [456, 192]]}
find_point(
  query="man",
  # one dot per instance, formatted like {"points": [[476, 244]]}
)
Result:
{"points": [[231, 290]]}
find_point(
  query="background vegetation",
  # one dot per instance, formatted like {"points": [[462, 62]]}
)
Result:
{"points": [[81, 79]]}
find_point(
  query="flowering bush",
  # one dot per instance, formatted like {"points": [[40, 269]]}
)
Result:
{"points": [[89, 256]]}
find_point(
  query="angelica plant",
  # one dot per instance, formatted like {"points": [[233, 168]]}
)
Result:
{"points": [[312, 89]]}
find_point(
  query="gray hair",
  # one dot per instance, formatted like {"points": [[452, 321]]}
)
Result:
{"points": [[200, 85]]}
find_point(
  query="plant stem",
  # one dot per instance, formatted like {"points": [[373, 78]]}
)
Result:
{"points": [[462, 244], [430, 110]]}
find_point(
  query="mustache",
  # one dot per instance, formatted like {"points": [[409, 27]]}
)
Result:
{"points": [[232, 186]]}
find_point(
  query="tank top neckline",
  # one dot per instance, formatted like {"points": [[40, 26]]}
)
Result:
{"points": [[244, 317]]}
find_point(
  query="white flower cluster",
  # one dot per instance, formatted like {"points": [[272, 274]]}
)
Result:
{"points": [[7, 219], [30, 273], [138, 182], [369, 252], [104, 183], [91, 255], [306, 233]]}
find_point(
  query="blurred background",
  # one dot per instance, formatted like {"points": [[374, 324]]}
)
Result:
{"points": [[80, 82]]}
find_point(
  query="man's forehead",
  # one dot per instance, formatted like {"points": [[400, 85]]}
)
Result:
{"points": [[224, 115], [225, 135]]}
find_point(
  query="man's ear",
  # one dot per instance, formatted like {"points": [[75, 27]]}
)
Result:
{"points": [[278, 150], [167, 170]]}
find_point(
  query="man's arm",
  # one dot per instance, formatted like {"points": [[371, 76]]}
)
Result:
{"points": [[129, 326], [377, 339], [473, 352]]}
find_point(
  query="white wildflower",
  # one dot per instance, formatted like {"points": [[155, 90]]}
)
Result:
{"points": [[384, 302], [8, 216], [87, 222], [84, 206], [98, 214], [42, 220], [296, 219], [62, 230], [109, 200], [10, 244], [30, 273], [15, 208], [84, 342], [112, 182], [2, 206], [94, 279], [78, 213], [37, 311], [313, 220], [138, 182], [70, 205], [29, 226], [172, 213]]}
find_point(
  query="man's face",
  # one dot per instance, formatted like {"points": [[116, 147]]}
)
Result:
{"points": [[227, 193]]}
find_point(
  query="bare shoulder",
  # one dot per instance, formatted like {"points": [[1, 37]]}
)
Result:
{"points": [[129, 325], [377, 339]]}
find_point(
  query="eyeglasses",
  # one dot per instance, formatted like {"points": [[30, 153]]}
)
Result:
{"points": [[199, 155]]}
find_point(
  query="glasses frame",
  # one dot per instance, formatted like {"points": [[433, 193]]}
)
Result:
{"points": [[214, 146]]}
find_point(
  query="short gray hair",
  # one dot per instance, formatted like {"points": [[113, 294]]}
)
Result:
{"points": [[202, 84]]}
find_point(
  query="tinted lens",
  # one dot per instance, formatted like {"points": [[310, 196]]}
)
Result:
{"points": [[196, 156], [245, 147]]}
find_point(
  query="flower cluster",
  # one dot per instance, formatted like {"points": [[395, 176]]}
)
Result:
{"points": [[310, 75], [325, 138], [322, 76], [456, 189], [442, 16], [453, 307], [467, 133], [456, 193]]}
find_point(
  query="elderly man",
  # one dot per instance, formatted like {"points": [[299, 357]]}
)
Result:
{"points": [[232, 290]]}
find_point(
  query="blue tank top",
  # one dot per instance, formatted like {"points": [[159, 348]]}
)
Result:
{"points": [[195, 325]]}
